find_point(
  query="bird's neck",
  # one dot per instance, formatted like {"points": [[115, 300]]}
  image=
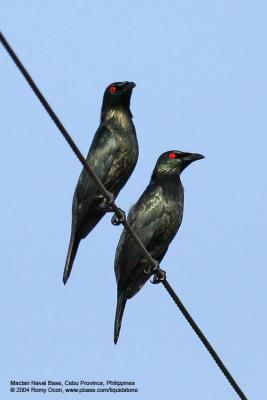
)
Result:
{"points": [[169, 180], [166, 175], [121, 115]]}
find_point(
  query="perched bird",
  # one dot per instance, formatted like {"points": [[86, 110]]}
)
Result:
{"points": [[113, 155], [155, 218]]}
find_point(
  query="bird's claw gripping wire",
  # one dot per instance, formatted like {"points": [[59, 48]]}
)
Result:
{"points": [[115, 220], [159, 274], [106, 204]]}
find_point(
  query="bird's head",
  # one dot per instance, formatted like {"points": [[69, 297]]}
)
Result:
{"points": [[118, 95], [173, 162]]}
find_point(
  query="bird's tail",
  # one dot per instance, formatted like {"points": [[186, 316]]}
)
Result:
{"points": [[72, 250], [121, 302]]}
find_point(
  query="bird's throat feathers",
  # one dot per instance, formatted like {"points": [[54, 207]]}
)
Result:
{"points": [[163, 172], [118, 116]]}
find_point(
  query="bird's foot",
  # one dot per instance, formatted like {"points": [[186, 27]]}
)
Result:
{"points": [[159, 276], [117, 220], [106, 204]]}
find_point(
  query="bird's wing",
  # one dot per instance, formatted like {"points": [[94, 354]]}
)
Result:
{"points": [[144, 217], [100, 157]]}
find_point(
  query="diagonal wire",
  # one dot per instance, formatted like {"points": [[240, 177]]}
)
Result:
{"points": [[204, 340], [121, 217]]}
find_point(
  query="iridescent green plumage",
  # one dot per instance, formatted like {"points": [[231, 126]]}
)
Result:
{"points": [[113, 155], [155, 218]]}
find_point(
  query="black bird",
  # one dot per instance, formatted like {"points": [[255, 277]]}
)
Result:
{"points": [[155, 218], [113, 155]]}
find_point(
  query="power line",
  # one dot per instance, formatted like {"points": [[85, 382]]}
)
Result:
{"points": [[159, 274], [203, 339]]}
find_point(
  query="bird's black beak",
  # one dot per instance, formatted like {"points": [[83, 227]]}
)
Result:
{"points": [[128, 86], [189, 158], [193, 157]]}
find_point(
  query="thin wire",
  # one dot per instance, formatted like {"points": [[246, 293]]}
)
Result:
{"points": [[203, 339], [120, 215]]}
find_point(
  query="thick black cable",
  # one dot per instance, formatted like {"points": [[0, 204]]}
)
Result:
{"points": [[120, 215]]}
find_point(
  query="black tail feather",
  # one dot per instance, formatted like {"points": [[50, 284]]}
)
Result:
{"points": [[121, 302], [73, 247]]}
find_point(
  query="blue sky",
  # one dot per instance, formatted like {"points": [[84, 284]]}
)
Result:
{"points": [[200, 71]]}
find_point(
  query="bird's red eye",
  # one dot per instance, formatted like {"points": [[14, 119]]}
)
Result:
{"points": [[172, 156], [113, 89]]}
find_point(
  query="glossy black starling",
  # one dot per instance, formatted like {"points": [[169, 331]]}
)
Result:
{"points": [[113, 155], [155, 218]]}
